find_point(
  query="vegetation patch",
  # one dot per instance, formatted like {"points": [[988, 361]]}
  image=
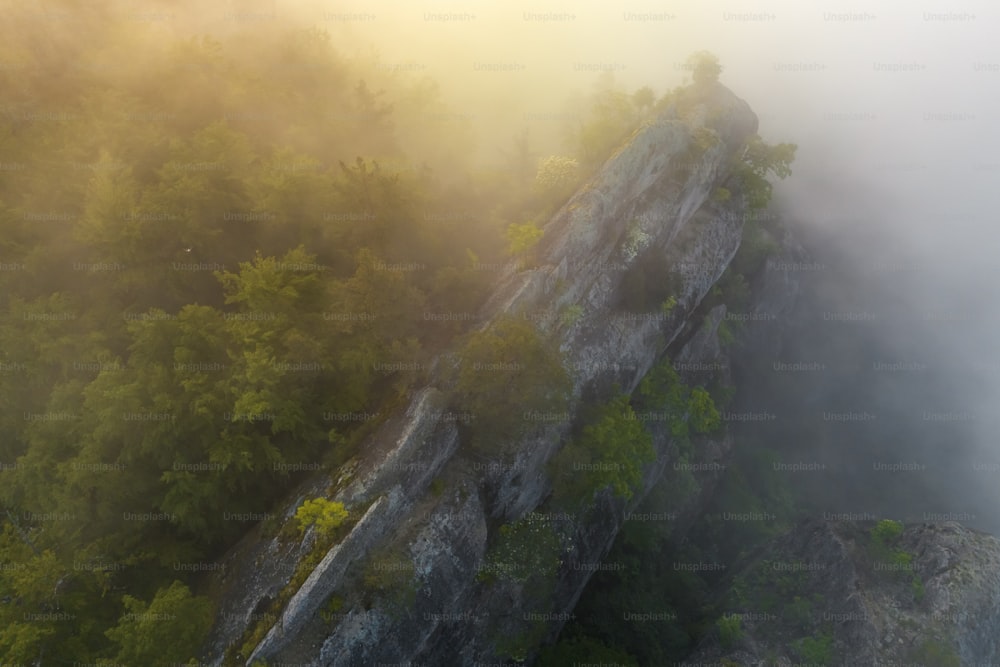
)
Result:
{"points": [[527, 550], [935, 652], [887, 558], [390, 576], [611, 452], [730, 630], [505, 371], [817, 650]]}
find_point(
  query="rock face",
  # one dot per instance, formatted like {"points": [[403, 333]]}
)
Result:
{"points": [[867, 602], [646, 217]]}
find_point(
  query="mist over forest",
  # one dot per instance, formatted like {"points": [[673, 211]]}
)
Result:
{"points": [[235, 238]]}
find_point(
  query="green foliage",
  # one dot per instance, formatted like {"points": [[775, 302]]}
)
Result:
{"points": [[727, 337], [646, 582], [731, 289], [703, 416], [763, 158], [518, 645], [799, 612], [166, 631], [325, 514], [574, 651], [611, 452], [775, 590], [668, 305], [636, 240], [391, 576], [245, 281], [527, 550], [721, 195], [886, 532], [759, 160], [934, 652], [522, 238], [557, 176], [730, 630], [571, 314], [816, 650], [611, 114], [686, 408], [332, 608], [884, 535], [917, 588], [504, 371], [705, 139]]}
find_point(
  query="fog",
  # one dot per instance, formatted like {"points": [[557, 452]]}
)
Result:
{"points": [[892, 108]]}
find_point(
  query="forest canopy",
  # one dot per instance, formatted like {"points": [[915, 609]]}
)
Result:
{"points": [[217, 261]]}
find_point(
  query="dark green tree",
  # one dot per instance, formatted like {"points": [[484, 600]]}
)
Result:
{"points": [[166, 631], [505, 371], [704, 67]]}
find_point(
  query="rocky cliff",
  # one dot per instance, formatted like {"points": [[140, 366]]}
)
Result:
{"points": [[648, 216], [826, 593]]}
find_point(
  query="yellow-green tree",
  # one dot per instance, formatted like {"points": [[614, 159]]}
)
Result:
{"points": [[325, 514], [522, 238], [557, 176]]}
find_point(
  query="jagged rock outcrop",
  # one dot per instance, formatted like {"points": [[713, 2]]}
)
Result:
{"points": [[650, 205], [935, 605]]}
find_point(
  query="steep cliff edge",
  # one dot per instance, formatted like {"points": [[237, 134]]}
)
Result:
{"points": [[648, 211], [828, 593]]}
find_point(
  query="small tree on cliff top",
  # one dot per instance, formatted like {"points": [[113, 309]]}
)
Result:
{"points": [[704, 67]]}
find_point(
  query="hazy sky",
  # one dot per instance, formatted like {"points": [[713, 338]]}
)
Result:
{"points": [[873, 86]]}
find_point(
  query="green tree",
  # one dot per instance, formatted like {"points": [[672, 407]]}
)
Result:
{"points": [[522, 239], [729, 629], [525, 550], [643, 98], [610, 117], [759, 160], [556, 177], [614, 449], [325, 514], [704, 67], [583, 649], [166, 631], [504, 371], [818, 650], [687, 408], [937, 653], [385, 311], [703, 416], [886, 532], [31, 582]]}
